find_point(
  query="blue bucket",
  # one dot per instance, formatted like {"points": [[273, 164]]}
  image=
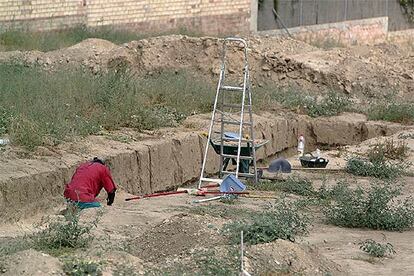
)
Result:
{"points": [[231, 184], [231, 135]]}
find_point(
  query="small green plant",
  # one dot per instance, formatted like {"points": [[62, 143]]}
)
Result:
{"points": [[13, 245], [378, 168], [210, 264], [283, 221], [392, 112], [331, 104], [294, 184], [375, 209], [26, 132], [124, 270], [332, 193], [376, 249], [297, 185], [229, 199], [64, 234], [81, 267], [5, 120], [388, 149]]}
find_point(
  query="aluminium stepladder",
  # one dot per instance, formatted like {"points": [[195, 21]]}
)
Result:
{"points": [[223, 115]]}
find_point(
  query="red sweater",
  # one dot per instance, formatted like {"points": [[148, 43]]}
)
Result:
{"points": [[88, 181]]}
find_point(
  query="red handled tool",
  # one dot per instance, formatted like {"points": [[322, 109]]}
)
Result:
{"points": [[156, 194]]}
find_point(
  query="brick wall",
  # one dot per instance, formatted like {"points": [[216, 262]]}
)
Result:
{"points": [[41, 14], [206, 16]]}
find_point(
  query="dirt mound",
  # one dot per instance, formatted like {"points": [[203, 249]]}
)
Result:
{"points": [[32, 263], [372, 71], [285, 257], [176, 237]]}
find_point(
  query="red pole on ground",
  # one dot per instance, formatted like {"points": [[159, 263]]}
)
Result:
{"points": [[157, 194], [225, 193]]}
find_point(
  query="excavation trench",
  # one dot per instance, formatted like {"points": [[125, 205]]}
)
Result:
{"points": [[171, 159]]}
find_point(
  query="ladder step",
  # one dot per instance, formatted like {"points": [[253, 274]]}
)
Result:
{"points": [[214, 180], [240, 174], [232, 88], [235, 105], [237, 139], [235, 156], [235, 123]]}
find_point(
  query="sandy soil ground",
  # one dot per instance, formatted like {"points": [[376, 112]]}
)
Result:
{"points": [[172, 233], [175, 236]]}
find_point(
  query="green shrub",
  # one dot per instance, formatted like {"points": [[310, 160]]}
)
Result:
{"points": [[376, 249], [297, 185], [283, 221], [332, 193], [26, 132], [378, 168], [375, 209], [392, 112], [80, 267], [5, 120], [49, 108], [293, 184], [388, 149], [67, 233], [332, 104]]}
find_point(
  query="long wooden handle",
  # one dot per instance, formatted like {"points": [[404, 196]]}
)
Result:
{"points": [[156, 194], [224, 193]]}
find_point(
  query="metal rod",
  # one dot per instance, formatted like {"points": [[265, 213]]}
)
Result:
{"points": [[281, 22], [242, 251]]}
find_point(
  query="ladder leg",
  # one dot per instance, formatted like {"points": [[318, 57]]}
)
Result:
{"points": [[241, 120], [252, 134], [222, 134], [210, 130]]}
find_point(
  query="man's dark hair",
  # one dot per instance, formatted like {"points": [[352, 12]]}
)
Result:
{"points": [[97, 160]]}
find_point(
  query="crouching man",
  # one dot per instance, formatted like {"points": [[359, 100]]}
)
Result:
{"points": [[87, 182]]}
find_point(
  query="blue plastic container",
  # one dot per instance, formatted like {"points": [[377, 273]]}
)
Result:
{"points": [[231, 135], [231, 184]]}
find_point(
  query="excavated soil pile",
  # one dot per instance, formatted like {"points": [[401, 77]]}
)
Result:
{"points": [[281, 255], [32, 263], [373, 71], [176, 237]]}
